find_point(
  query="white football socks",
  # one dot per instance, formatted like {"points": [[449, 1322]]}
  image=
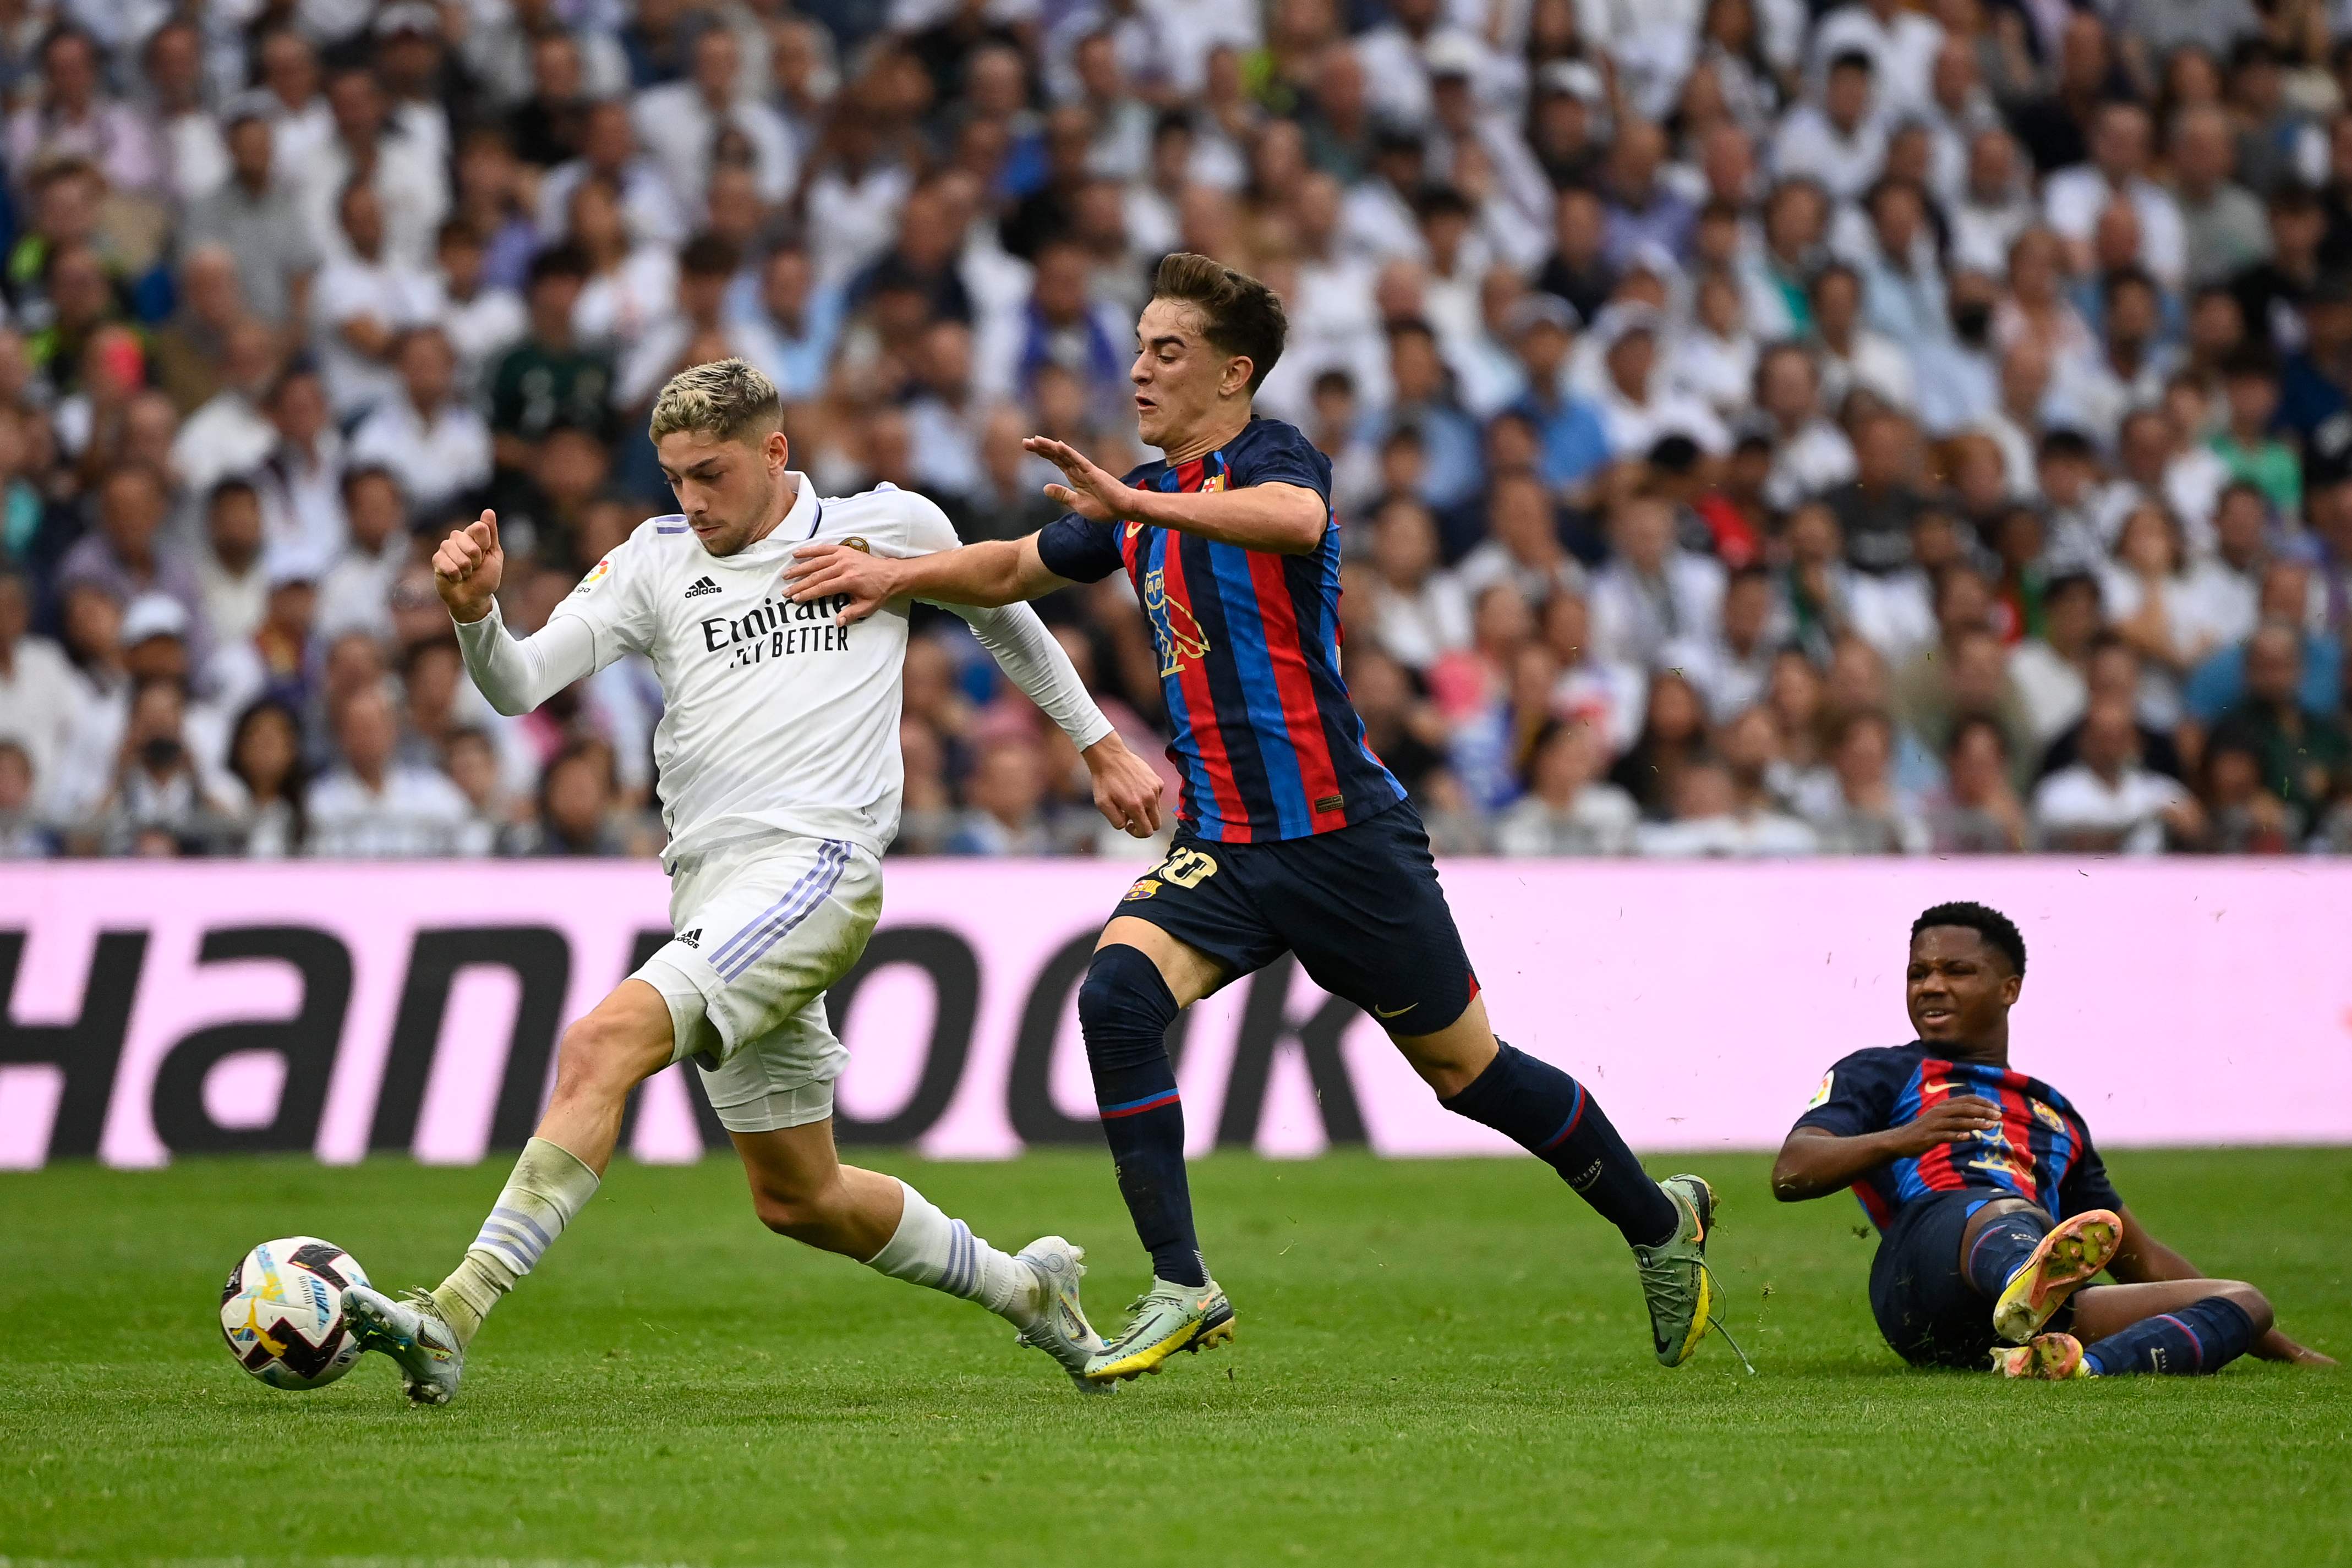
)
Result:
{"points": [[930, 1248], [548, 1188]]}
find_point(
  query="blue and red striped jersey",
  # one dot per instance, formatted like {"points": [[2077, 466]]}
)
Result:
{"points": [[2040, 1151], [1267, 742]]}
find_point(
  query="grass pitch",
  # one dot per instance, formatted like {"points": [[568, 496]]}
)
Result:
{"points": [[1438, 1363]]}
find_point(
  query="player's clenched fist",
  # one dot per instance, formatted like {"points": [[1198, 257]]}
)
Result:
{"points": [[467, 567]]}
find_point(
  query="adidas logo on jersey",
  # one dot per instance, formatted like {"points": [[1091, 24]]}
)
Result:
{"points": [[702, 585], [691, 938]]}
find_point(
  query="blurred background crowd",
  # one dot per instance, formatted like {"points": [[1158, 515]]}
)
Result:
{"points": [[1758, 428]]}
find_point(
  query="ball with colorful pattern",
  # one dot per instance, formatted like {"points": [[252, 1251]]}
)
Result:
{"points": [[282, 1312]]}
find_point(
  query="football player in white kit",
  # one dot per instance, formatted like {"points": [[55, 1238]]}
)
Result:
{"points": [[777, 751]]}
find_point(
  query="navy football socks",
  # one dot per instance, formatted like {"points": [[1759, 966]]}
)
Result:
{"points": [[2204, 1336], [2002, 1247], [1124, 1009], [1547, 1114]]}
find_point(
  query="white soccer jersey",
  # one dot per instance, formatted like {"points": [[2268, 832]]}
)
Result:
{"points": [[775, 719]]}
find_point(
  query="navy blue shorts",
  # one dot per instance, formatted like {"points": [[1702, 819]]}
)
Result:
{"points": [[1929, 1312], [1360, 905]]}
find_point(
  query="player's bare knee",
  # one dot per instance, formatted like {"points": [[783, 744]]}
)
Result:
{"points": [[602, 1057], [803, 1213], [1451, 1060], [2249, 1301]]}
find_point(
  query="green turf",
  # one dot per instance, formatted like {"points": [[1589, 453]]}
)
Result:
{"points": [[1437, 1364]]}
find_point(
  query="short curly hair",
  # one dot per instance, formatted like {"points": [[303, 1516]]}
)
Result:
{"points": [[725, 398], [1999, 930]]}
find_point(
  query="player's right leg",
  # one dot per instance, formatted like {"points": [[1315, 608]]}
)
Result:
{"points": [[2013, 1253], [747, 1002], [1141, 978], [623, 1041], [801, 1189]]}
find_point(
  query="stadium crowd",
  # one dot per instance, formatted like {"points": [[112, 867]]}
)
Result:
{"points": [[1758, 429]]}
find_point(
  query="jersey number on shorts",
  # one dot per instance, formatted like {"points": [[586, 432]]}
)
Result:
{"points": [[1187, 868]]}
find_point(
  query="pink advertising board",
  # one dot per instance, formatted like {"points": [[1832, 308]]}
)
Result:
{"points": [[413, 1009]]}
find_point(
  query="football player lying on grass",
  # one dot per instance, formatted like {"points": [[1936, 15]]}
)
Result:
{"points": [[1993, 1210]]}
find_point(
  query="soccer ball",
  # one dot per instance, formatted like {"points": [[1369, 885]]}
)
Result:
{"points": [[282, 1312]]}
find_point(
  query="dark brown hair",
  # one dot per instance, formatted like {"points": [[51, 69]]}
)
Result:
{"points": [[1240, 315]]}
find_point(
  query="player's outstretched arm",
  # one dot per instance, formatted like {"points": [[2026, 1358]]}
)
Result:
{"points": [[1286, 518], [999, 572], [515, 675], [2142, 1258], [1815, 1162]]}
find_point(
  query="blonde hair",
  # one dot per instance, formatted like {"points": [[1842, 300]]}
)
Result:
{"points": [[725, 398]]}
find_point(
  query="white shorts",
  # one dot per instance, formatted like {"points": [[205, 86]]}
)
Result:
{"points": [[760, 934]]}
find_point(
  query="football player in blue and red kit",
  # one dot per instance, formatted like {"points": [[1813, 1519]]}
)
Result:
{"points": [[1292, 836], [1993, 1208]]}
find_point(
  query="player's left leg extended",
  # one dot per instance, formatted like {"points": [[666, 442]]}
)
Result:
{"points": [[1553, 1117], [2183, 1327], [1364, 912], [625, 1039]]}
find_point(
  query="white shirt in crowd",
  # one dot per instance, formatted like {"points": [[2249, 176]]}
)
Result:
{"points": [[438, 456], [675, 124], [2073, 198], [1634, 616], [1761, 834], [1601, 821], [225, 434], [481, 328], [40, 697], [417, 812], [394, 297], [1415, 628], [2052, 691], [2077, 801]]}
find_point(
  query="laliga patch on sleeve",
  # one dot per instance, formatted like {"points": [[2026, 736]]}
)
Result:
{"points": [[1821, 1095], [596, 574]]}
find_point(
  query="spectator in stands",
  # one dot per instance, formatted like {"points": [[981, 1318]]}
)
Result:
{"points": [[1423, 612], [371, 805], [1710, 819], [1864, 814], [268, 780], [1523, 544], [23, 834], [355, 591], [2010, 306], [2108, 802], [1653, 588], [39, 691], [2303, 755], [158, 796], [426, 433], [1976, 812], [1569, 807], [550, 378], [1008, 813], [576, 810], [2050, 672], [2246, 817]]}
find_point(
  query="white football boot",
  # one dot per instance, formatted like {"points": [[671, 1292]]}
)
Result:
{"points": [[412, 1332], [1060, 1330]]}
